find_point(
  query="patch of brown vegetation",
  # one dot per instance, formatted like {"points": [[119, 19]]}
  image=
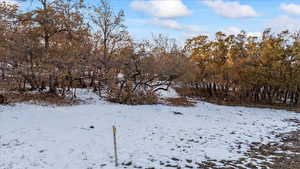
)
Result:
{"points": [[232, 101], [3, 100], [226, 102], [139, 98], [39, 98], [181, 101]]}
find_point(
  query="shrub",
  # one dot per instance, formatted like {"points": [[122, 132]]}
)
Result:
{"points": [[3, 99]]}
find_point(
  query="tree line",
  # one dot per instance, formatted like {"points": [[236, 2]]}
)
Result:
{"points": [[60, 45], [262, 69]]}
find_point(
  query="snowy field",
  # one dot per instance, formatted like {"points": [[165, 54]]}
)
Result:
{"points": [[149, 136]]}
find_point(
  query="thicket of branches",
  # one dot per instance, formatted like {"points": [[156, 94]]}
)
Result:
{"points": [[60, 45]]}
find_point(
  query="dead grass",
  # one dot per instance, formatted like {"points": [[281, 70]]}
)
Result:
{"points": [[3, 100], [232, 101], [253, 105], [182, 101], [39, 98]]}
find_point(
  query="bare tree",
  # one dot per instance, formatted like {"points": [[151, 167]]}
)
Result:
{"points": [[111, 32]]}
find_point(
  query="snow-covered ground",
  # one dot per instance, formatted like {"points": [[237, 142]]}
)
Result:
{"points": [[80, 137]]}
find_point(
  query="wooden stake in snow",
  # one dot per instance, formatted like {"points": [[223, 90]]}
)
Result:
{"points": [[115, 145]]}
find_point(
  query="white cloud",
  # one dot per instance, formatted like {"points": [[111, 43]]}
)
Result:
{"points": [[161, 8], [284, 23], [173, 24], [166, 23], [232, 30], [290, 8], [232, 9]]}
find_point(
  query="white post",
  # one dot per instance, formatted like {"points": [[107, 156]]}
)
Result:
{"points": [[115, 145]]}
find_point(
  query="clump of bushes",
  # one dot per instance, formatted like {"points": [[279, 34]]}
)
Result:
{"points": [[3, 99], [136, 98], [142, 71]]}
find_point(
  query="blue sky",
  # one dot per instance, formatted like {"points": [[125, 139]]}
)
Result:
{"points": [[182, 19]]}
